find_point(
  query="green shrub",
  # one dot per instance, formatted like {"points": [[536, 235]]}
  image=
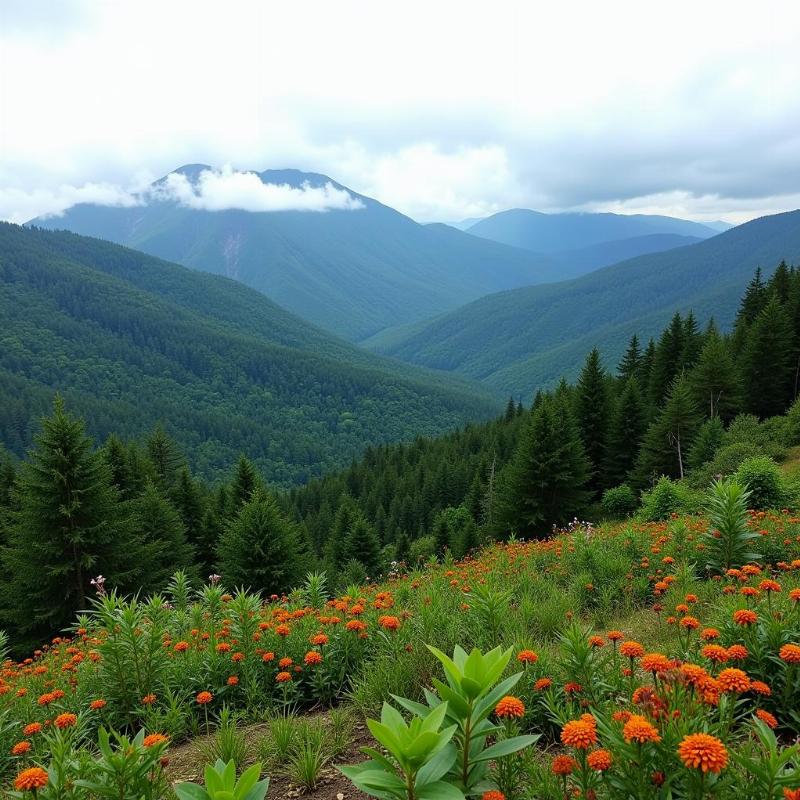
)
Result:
{"points": [[619, 502], [766, 437], [763, 479], [729, 538], [666, 498], [791, 425]]}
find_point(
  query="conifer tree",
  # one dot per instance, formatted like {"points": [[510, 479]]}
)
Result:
{"points": [[692, 342], [261, 549], [115, 454], [544, 483], [441, 534], [402, 548], [336, 543], [706, 443], [65, 531], [714, 380], [593, 413], [160, 542], [766, 362], [631, 364], [511, 410], [164, 455], [363, 545], [646, 371], [667, 360], [245, 482], [626, 428], [189, 504]]}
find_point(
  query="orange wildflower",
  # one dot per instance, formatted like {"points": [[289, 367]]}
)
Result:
{"points": [[29, 780], [510, 706], [579, 734], [638, 729], [703, 751]]}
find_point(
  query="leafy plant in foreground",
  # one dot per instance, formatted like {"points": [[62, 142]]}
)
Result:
{"points": [[221, 784], [729, 536]]}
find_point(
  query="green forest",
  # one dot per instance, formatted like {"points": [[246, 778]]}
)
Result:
{"points": [[644, 438]]}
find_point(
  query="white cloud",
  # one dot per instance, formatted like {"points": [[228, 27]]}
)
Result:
{"points": [[19, 205], [217, 190]]}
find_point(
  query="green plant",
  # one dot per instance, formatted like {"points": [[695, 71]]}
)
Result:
{"points": [[221, 784], [619, 501], [228, 743], [128, 769], [470, 696], [769, 768], [283, 736], [420, 754], [315, 589], [728, 539], [761, 476], [307, 762]]}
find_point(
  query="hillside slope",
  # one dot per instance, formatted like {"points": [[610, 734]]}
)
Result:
{"points": [[550, 233], [518, 340], [131, 340], [352, 272]]}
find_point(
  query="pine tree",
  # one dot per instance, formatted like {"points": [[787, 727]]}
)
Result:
{"points": [[631, 364], [714, 380], [593, 412], [160, 540], [544, 483], [670, 435], [766, 362], [164, 455], [260, 549], [441, 534], [245, 482], [706, 443], [402, 548], [667, 360], [186, 498], [692, 342], [363, 545], [207, 542], [115, 454], [648, 359], [66, 530], [511, 410], [627, 426], [336, 543]]}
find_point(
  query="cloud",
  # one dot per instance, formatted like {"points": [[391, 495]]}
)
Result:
{"points": [[19, 205], [218, 190]]}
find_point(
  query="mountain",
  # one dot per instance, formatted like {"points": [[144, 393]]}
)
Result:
{"points": [[551, 233], [585, 259], [518, 340], [131, 340], [352, 272], [719, 225]]}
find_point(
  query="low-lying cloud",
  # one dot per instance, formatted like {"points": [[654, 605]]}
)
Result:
{"points": [[219, 190], [212, 190]]}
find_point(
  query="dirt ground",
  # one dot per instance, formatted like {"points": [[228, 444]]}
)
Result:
{"points": [[186, 764]]}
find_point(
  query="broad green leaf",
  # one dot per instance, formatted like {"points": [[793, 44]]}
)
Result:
{"points": [[506, 747]]}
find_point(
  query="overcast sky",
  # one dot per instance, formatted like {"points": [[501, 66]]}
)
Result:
{"points": [[442, 110]]}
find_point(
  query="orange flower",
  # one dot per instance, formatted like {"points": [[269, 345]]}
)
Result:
{"points": [[790, 653], [268, 657], [614, 636], [510, 706], [767, 718], [703, 751], [733, 681], [356, 625], [65, 720], [599, 760], [655, 662], [690, 623], [744, 616], [638, 729], [283, 677], [579, 734], [233, 680], [791, 794], [542, 684], [596, 641], [148, 699], [181, 647], [389, 623], [285, 662], [203, 698], [20, 748], [313, 657], [283, 630], [631, 650], [319, 639], [527, 657], [716, 653], [29, 780], [563, 765], [32, 728], [493, 794], [759, 687], [96, 705], [155, 739], [738, 652]]}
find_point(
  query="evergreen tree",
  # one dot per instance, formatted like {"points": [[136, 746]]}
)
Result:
{"points": [[244, 484], [336, 543], [667, 360], [692, 342], [189, 504], [165, 457], [670, 435], [66, 530], [766, 362], [115, 454], [402, 548], [441, 534], [631, 364], [511, 410], [363, 545], [261, 549], [593, 412], [627, 426], [648, 359], [706, 443], [544, 483], [714, 380], [160, 542], [207, 542]]}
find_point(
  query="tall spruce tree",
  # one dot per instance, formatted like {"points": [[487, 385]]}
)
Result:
{"points": [[626, 428], [165, 456], [592, 404], [631, 364], [545, 482], [65, 530], [667, 360], [766, 362], [245, 482], [714, 381], [363, 545], [261, 549]]}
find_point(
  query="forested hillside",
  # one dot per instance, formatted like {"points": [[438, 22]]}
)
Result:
{"points": [[525, 338], [349, 271], [131, 341]]}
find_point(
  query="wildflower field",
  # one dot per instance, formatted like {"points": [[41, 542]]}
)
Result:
{"points": [[626, 661]]}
